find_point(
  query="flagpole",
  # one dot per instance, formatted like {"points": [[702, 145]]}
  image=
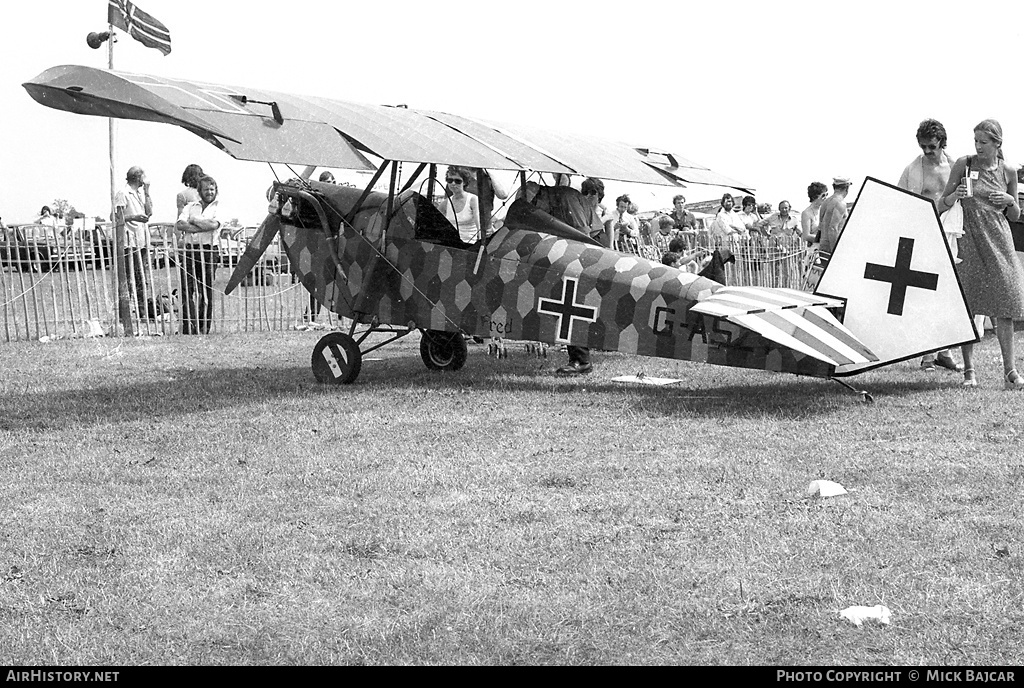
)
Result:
{"points": [[120, 275]]}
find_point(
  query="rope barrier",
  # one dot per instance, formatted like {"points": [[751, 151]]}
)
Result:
{"points": [[42, 275]]}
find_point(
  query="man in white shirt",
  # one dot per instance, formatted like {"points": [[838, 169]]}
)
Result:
{"points": [[622, 226], [198, 221], [782, 223], [132, 210], [727, 222]]}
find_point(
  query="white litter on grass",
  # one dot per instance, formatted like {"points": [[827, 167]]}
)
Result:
{"points": [[858, 615], [825, 488], [646, 379]]}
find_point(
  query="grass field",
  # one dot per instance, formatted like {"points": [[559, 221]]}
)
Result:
{"points": [[204, 501]]}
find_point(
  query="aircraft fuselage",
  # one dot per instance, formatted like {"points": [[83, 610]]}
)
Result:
{"points": [[520, 285]]}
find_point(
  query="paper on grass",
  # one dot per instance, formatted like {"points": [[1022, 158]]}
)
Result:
{"points": [[858, 615], [825, 488], [646, 379]]}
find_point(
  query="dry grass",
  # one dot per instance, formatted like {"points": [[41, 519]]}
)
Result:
{"points": [[203, 501]]}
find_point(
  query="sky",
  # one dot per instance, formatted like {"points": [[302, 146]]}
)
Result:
{"points": [[776, 95]]}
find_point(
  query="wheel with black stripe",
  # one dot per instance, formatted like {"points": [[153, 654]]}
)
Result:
{"points": [[443, 350], [336, 359]]}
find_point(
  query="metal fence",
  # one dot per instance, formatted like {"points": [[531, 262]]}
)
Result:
{"points": [[58, 284], [758, 261]]}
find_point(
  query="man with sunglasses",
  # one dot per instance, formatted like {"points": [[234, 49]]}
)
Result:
{"points": [[927, 176]]}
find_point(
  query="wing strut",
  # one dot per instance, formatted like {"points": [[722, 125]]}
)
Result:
{"points": [[350, 218], [359, 306], [391, 193], [414, 177]]}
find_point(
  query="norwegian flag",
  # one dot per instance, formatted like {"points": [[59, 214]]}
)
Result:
{"points": [[139, 25]]}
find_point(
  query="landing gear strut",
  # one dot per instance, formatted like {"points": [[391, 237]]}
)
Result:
{"points": [[337, 357]]}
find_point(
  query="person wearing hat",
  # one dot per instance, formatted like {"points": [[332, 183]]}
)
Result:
{"points": [[833, 214], [326, 177]]}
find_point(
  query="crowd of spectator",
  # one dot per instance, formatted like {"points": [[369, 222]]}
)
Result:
{"points": [[671, 235]]}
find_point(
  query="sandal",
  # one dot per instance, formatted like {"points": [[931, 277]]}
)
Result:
{"points": [[948, 363], [1013, 380], [969, 378]]}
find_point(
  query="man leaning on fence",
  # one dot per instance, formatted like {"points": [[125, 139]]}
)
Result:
{"points": [[132, 210], [198, 221]]}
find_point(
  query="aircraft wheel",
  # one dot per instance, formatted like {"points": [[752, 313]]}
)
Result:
{"points": [[443, 350], [336, 359]]}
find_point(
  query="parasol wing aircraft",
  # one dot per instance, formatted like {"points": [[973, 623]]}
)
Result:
{"points": [[394, 265]]}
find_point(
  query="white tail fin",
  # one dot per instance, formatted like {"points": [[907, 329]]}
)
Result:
{"points": [[895, 270]]}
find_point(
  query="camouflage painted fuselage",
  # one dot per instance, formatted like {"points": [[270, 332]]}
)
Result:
{"points": [[522, 285]]}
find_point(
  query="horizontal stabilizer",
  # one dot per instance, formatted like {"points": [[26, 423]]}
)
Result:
{"points": [[729, 301], [810, 330]]}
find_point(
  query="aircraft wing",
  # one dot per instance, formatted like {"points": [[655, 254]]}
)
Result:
{"points": [[792, 318], [270, 126]]}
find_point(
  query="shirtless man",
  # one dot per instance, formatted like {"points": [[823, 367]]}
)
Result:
{"points": [[833, 214], [927, 175]]}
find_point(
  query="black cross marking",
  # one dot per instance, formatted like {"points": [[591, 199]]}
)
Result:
{"points": [[566, 309], [901, 276]]}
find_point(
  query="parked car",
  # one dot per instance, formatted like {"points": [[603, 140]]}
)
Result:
{"points": [[233, 242], [37, 247], [161, 244]]}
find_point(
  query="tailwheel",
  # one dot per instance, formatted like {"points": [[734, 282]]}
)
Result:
{"points": [[865, 396], [336, 359], [443, 350]]}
